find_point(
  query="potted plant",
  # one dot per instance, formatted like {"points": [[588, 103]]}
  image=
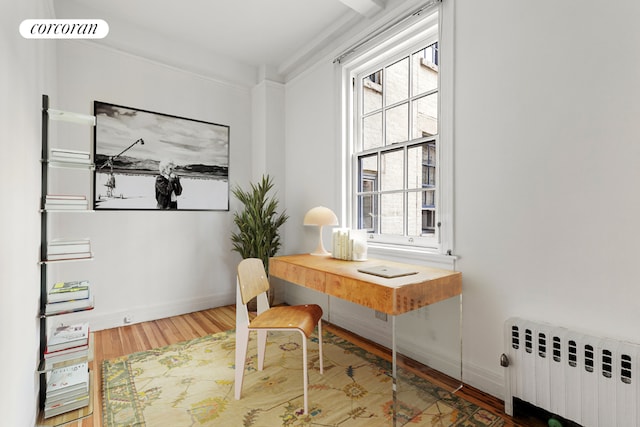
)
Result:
{"points": [[258, 223]]}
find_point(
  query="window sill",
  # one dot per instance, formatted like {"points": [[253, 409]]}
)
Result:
{"points": [[423, 256]]}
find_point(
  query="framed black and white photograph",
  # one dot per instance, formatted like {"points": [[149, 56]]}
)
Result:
{"points": [[154, 161]]}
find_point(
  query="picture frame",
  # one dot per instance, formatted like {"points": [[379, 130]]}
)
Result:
{"points": [[130, 147]]}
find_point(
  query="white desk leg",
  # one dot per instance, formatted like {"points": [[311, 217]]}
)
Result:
{"points": [[394, 369], [460, 332]]}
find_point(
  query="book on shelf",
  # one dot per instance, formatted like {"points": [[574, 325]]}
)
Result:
{"points": [[65, 202], [67, 357], [62, 358], [68, 381], [56, 401], [66, 207], [70, 256], [57, 247], [53, 408], [68, 336], [68, 249], [85, 163], [71, 156], [66, 197], [66, 291], [76, 352], [69, 306], [68, 116], [64, 398], [66, 152], [70, 401], [69, 392]]}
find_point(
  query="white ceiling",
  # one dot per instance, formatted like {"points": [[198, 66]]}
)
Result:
{"points": [[273, 33]]}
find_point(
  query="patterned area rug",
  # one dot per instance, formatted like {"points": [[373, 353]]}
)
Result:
{"points": [[191, 384]]}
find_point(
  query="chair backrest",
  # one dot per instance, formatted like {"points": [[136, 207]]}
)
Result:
{"points": [[252, 278]]}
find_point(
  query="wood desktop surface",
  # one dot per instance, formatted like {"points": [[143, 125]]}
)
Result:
{"points": [[342, 279]]}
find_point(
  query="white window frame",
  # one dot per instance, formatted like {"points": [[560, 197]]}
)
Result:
{"points": [[410, 34]]}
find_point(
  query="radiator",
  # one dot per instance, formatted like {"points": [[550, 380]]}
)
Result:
{"points": [[590, 380]]}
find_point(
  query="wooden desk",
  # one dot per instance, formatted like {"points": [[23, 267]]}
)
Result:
{"points": [[343, 280], [394, 296]]}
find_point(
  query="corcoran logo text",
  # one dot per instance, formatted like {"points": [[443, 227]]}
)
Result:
{"points": [[64, 29]]}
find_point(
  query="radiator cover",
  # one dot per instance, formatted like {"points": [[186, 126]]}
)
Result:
{"points": [[590, 380]]}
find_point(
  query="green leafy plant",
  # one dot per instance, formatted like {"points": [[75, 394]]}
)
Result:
{"points": [[258, 222]]}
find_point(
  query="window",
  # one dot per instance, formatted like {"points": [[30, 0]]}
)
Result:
{"points": [[396, 143]]}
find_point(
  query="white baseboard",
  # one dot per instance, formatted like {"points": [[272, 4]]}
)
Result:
{"points": [[100, 320], [483, 379]]}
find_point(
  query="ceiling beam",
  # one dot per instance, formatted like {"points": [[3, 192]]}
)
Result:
{"points": [[366, 8]]}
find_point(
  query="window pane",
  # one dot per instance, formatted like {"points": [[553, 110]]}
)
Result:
{"points": [[397, 82], [428, 199], [425, 116], [368, 173], [421, 165], [414, 214], [425, 70], [372, 92], [391, 167], [367, 183], [421, 213], [391, 214], [372, 131], [367, 212], [397, 124]]}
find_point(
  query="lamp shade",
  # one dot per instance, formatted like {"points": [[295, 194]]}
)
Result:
{"points": [[320, 216]]}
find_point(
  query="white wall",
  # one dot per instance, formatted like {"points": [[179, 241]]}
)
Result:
{"points": [[546, 164], [313, 155], [27, 68], [152, 264], [547, 100]]}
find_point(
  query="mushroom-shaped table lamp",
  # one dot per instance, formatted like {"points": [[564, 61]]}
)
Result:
{"points": [[320, 216]]}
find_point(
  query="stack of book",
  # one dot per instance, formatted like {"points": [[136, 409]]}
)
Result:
{"points": [[67, 389], [348, 244], [68, 249], [66, 297], [65, 202], [66, 343], [69, 156]]}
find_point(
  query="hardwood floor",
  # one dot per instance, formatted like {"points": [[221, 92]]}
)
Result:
{"points": [[112, 343]]}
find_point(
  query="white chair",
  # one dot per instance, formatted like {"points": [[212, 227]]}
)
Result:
{"points": [[253, 282]]}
